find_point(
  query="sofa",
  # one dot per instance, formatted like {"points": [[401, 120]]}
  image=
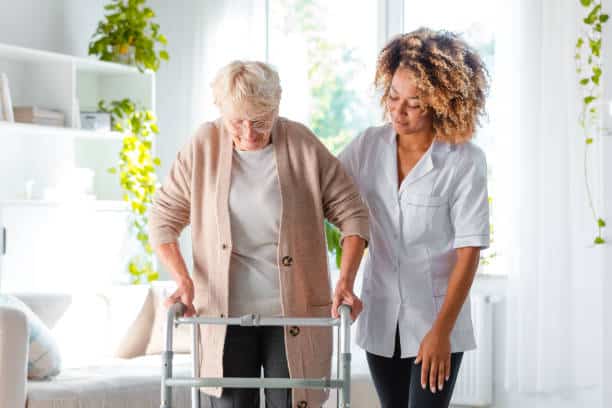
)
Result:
{"points": [[109, 342]]}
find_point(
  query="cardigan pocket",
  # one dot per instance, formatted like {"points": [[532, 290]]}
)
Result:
{"points": [[321, 338]]}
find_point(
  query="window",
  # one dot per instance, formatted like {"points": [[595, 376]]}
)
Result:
{"points": [[326, 60]]}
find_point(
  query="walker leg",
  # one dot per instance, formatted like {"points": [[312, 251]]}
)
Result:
{"points": [[345, 356], [195, 369]]}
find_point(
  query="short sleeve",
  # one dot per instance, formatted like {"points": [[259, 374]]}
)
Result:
{"points": [[470, 201]]}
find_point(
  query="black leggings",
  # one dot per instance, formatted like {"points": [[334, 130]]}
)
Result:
{"points": [[398, 381], [246, 351]]}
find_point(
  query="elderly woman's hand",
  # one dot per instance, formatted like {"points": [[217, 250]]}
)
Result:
{"points": [[344, 295], [184, 294]]}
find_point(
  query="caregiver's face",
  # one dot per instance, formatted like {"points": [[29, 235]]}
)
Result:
{"points": [[249, 131], [405, 107]]}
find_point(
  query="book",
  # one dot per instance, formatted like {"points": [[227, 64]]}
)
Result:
{"points": [[38, 116], [5, 96]]}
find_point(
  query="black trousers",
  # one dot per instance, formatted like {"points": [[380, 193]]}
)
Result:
{"points": [[246, 351], [398, 381]]}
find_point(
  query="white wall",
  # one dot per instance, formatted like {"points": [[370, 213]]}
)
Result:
{"points": [[33, 23]]}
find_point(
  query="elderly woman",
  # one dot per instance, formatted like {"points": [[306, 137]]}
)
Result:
{"points": [[256, 188], [426, 186]]}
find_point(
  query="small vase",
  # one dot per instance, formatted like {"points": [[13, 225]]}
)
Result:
{"points": [[124, 54]]}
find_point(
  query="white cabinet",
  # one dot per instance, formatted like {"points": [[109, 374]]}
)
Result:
{"points": [[52, 247]]}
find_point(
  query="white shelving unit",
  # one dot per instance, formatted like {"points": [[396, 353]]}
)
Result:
{"points": [[63, 245], [61, 82]]}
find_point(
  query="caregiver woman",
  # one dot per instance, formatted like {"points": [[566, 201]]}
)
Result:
{"points": [[426, 186], [256, 188]]}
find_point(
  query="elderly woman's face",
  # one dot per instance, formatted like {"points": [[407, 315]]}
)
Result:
{"points": [[249, 131], [405, 108]]}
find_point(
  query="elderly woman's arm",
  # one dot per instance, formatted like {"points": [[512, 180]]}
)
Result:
{"points": [[344, 208], [170, 214]]}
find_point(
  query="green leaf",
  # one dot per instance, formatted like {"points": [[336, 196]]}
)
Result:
{"points": [[157, 161], [589, 140], [589, 99], [584, 81], [603, 18], [601, 223], [154, 128], [163, 54], [586, 3], [162, 39], [112, 170], [599, 240]]}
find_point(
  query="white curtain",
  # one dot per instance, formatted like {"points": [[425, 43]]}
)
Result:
{"points": [[555, 308]]}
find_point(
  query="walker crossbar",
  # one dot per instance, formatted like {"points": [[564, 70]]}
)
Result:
{"points": [[175, 313]]}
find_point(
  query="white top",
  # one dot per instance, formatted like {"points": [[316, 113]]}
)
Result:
{"points": [[254, 206], [442, 204]]}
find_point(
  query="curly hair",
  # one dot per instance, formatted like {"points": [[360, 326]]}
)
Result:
{"points": [[452, 80]]}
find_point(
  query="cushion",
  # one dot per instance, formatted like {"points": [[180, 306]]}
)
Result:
{"points": [[83, 331], [182, 335], [44, 359], [131, 319]]}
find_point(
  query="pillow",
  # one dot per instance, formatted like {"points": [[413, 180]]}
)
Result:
{"points": [[44, 359], [82, 332], [131, 319], [182, 334]]}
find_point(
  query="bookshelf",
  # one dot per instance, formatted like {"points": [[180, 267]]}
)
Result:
{"points": [[36, 153]]}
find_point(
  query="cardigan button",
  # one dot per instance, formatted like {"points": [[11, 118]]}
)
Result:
{"points": [[287, 261], [294, 331], [302, 404], [224, 246]]}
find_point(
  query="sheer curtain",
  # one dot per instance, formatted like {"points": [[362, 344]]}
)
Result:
{"points": [[555, 314]]}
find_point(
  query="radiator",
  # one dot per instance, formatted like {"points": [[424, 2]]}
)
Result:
{"points": [[474, 386]]}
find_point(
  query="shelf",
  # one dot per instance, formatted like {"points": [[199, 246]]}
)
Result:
{"points": [[99, 205], [83, 64], [31, 129]]}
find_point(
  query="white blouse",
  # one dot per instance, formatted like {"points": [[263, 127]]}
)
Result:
{"points": [[441, 205]]}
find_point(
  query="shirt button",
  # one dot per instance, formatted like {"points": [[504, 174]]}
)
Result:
{"points": [[294, 331], [302, 404], [287, 261]]}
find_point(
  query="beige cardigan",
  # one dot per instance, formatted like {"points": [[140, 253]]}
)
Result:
{"points": [[313, 187]]}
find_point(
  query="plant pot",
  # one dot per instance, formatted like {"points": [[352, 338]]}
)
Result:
{"points": [[124, 54]]}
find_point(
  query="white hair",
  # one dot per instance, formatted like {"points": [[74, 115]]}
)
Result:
{"points": [[250, 85]]}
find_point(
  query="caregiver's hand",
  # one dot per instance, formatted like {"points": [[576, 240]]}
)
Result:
{"points": [[435, 356], [184, 294], [344, 295]]}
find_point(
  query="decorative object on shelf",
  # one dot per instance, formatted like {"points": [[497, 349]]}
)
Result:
{"points": [[136, 170], [589, 70], [128, 36], [5, 98], [97, 121], [38, 116]]}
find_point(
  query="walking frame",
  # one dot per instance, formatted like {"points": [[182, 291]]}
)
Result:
{"points": [[342, 383]]}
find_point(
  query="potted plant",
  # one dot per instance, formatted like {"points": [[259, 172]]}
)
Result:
{"points": [[129, 36]]}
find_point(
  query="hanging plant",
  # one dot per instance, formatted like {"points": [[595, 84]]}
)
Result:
{"points": [[136, 170], [589, 69], [127, 35]]}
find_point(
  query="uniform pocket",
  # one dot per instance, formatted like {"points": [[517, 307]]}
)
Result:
{"points": [[418, 213]]}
